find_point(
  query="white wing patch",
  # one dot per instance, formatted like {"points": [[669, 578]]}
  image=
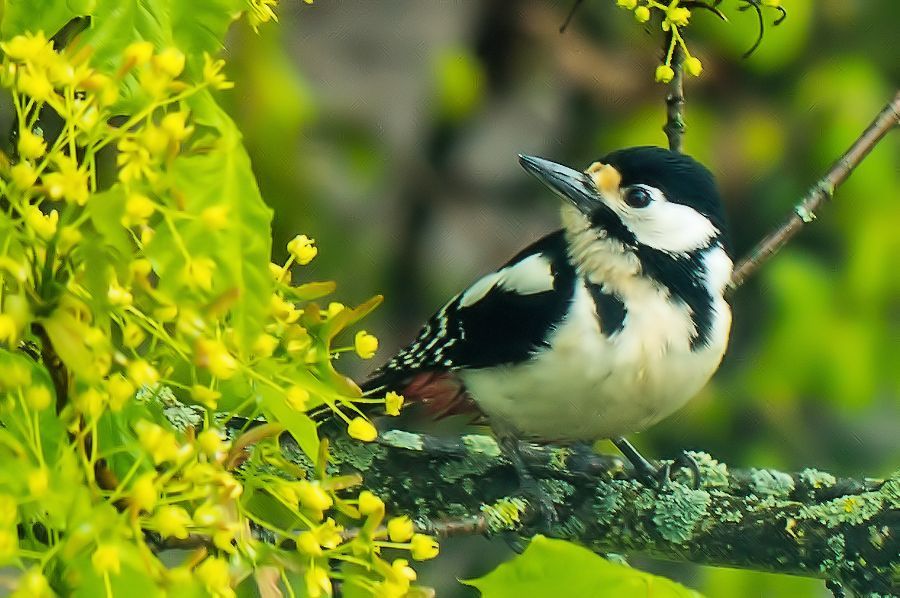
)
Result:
{"points": [[526, 277]]}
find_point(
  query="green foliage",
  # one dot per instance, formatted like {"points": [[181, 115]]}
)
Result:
{"points": [[141, 314], [537, 572]]}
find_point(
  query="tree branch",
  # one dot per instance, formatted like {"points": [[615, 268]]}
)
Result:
{"points": [[805, 211], [808, 523], [675, 126]]}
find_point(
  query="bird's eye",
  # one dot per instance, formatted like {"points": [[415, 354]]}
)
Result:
{"points": [[638, 197]]}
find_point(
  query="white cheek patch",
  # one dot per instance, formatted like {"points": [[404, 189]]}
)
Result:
{"points": [[670, 227], [527, 277]]}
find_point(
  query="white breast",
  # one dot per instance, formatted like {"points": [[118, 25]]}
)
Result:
{"points": [[588, 386]]}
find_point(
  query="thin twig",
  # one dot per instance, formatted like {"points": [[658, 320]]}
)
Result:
{"points": [[805, 211], [674, 127]]}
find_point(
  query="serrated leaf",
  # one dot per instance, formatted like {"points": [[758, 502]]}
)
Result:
{"points": [[551, 567]]}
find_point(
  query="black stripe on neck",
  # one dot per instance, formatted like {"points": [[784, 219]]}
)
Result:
{"points": [[611, 310]]}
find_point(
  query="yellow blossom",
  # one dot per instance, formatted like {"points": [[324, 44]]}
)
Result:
{"points": [[137, 54], [693, 66], [171, 521], [9, 330], [362, 429], [9, 513], [210, 442], [134, 160], [627, 4], [307, 543], [664, 73], [38, 397], [329, 534], [365, 344], [33, 584], [36, 84], [402, 570], [205, 396], [212, 73], [143, 492], [175, 125], [68, 182], [209, 515], [392, 403], [317, 582], [400, 529], [423, 548], [215, 357], [677, 15], [642, 14], [106, 559], [334, 308], [23, 175], [296, 397], [265, 345], [133, 335], [43, 225], [312, 496], [138, 208], [118, 295], [120, 390], [369, 504], [33, 47], [303, 249], [170, 61], [142, 373], [261, 11], [214, 575], [91, 402], [31, 146], [283, 310]]}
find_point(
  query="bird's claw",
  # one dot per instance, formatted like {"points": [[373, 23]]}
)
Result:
{"points": [[683, 462]]}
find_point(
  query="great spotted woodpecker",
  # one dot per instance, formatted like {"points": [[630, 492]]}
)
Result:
{"points": [[595, 331]]}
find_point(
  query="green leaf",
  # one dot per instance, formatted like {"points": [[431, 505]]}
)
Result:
{"points": [[557, 568], [298, 424], [48, 16]]}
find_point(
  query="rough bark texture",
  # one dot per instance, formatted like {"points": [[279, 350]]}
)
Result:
{"points": [[807, 523]]}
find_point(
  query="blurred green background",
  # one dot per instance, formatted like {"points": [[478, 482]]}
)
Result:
{"points": [[389, 132]]}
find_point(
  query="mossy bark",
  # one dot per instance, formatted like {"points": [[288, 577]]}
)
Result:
{"points": [[807, 523]]}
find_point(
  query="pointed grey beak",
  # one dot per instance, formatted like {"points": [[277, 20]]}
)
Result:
{"points": [[576, 187]]}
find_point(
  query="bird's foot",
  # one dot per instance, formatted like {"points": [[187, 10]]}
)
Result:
{"points": [[659, 476], [541, 512]]}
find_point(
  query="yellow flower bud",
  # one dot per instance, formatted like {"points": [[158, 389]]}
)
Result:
{"points": [[369, 504], [142, 373], [23, 175], [215, 357], [33, 584], [44, 226], [365, 344], [400, 529], [265, 345], [627, 4], [392, 403], [198, 273], [693, 66], [209, 515], [210, 442], [362, 429], [296, 397], [334, 308], [36, 84], [91, 402], [31, 146], [318, 583], [642, 14], [213, 573], [307, 543], [119, 296], [143, 493], [9, 330], [423, 548], [403, 570], [677, 15], [38, 398], [205, 396], [303, 249], [170, 61], [138, 208], [171, 521], [664, 73], [212, 73], [138, 54], [120, 390], [9, 511], [312, 496]]}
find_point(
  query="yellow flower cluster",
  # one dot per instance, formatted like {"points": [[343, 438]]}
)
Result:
{"points": [[673, 18]]}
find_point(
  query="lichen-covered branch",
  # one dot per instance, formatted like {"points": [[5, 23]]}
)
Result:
{"points": [[805, 211], [807, 523]]}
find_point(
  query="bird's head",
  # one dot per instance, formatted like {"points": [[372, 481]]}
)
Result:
{"points": [[642, 197]]}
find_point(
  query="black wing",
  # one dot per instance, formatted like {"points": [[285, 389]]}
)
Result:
{"points": [[494, 324]]}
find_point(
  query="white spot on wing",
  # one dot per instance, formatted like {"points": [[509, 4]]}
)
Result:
{"points": [[526, 277]]}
